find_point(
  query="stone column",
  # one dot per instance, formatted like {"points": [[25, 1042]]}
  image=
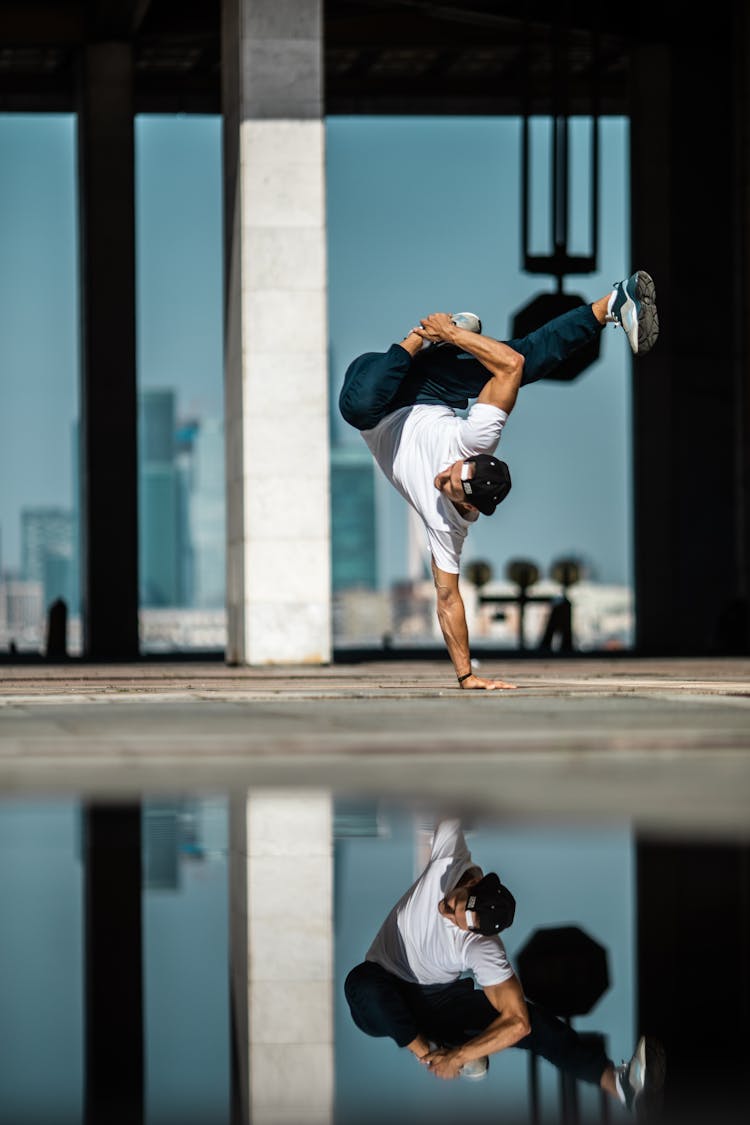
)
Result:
{"points": [[278, 539], [281, 960]]}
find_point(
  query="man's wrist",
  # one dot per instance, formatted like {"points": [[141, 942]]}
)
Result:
{"points": [[411, 343], [458, 1056]]}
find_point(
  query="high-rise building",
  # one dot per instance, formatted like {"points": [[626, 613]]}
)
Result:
{"points": [[353, 530], [200, 474], [158, 540], [47, 555], [207, 518], [185, 439]]}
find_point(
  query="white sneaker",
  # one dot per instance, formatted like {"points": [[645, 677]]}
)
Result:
{"points": [[467, 320], [633, 306], [477, 1068]]}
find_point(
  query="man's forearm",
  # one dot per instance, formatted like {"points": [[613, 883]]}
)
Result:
{"points": [[503, 1032], [452, 618], [493, 354]]}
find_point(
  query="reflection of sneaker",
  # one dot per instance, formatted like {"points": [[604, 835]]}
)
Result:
{"points": [[634, 307], [640, 1082], [477, 1068]]}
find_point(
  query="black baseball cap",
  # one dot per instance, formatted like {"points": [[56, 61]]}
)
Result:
{"points": [[492, 905], [489, 485]]}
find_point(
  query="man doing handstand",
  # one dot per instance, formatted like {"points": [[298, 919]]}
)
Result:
{"points": [[404, 402]]}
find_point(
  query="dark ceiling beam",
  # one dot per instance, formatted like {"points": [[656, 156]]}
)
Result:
{"points": [[41, 24], [424, 9], [115, 19], [392, 56]]}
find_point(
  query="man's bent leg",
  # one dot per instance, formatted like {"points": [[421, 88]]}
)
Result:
{"points": [[547, 347], [563, 1047], [447, 376], [371, 383], [378, 1003]]}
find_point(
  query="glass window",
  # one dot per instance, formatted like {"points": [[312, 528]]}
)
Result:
{"points": [[447, 236], [180, 383], [39, 366]]}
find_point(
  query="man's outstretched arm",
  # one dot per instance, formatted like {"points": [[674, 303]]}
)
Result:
{"points": [[510, 1026], [452, 617]]}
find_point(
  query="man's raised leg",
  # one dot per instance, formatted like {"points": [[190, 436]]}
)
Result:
{"points": [[373, 380]]}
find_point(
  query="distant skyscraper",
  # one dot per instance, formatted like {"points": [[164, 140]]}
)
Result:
{"points": [[200, 467], [47, 555], [75, 461], [353, 531], [185, 439], [207, 526], [159, 547]]}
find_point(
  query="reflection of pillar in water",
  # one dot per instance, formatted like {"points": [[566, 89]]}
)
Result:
{"points": [[281, 936]]}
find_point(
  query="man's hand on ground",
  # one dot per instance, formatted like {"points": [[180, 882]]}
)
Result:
{"points": [[476, 683], [442, 1063]]}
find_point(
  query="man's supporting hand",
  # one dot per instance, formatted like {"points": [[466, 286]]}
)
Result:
{"points": [[452, 617], [476, 683]]}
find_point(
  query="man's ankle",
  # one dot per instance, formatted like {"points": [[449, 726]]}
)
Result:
{"points": [[600, 308]]}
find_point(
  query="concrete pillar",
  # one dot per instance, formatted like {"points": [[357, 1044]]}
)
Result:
{"points": [[281, 957], [278, 539], [108, 488]]}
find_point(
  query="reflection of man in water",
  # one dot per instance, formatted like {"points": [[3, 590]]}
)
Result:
{"points": [[410, 987]]}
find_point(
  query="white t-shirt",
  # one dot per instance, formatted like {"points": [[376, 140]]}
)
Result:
{"points": [[418, 944], [412, 445]]}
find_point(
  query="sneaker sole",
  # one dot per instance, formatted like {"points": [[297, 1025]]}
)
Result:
{"points": [[477, 1076], [648, 318], [649, 1103]]}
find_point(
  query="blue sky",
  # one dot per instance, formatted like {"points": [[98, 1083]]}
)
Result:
{"points": [[423, 215]]}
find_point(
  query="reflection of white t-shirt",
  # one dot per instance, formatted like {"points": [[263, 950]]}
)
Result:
{"points": [[418, 944], [412, 445]]}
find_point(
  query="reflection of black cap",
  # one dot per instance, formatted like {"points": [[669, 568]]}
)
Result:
{"points": [[492, 905], [489, 485]]}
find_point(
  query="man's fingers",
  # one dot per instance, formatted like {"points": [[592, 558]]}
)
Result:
{"points": [[477, 684]]}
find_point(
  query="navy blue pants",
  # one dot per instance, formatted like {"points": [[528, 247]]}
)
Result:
{"points": [[383, 1005], [377, 383]]}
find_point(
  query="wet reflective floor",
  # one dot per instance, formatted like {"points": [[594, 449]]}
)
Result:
{"points": [[189, 868]]}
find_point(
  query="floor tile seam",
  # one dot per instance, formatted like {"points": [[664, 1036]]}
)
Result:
{"points": [[737, 694], [647, 747]]}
